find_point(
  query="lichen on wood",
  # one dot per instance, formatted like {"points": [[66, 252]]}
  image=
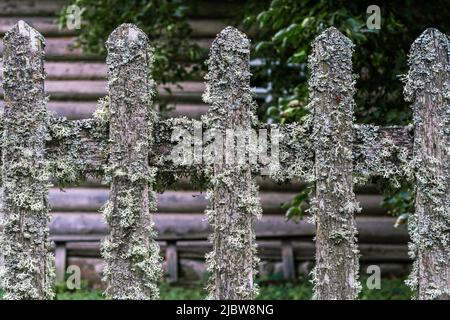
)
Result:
{"points": [[331, 85], [28, 271], [76, 149], [384, 152], [428, 88], [133, 266], [233, 195], [127, 145]]}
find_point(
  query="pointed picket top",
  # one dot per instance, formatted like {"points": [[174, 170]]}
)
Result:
{"points": [[427, 37], [330, 63], [425, 57], [332, 44], [23, 49], [229, 47], [228, 73], [333, 34], [125, 43], [129, 32], [21, 30], [231, 39]]}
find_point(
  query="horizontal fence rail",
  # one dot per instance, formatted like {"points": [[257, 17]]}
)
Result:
{"points": [[127, 145]]}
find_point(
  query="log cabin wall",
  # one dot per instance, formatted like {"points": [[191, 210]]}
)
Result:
{"points": [[75, 81]]}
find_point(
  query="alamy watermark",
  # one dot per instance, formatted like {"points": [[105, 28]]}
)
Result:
{"points": [[373, 21], [374, 280], [238, 146], [73, 281], [73, 17]]}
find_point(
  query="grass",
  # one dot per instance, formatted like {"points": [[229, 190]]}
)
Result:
{"points": [[391, 289]]}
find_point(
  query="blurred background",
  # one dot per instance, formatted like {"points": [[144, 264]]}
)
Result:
{"points": [[281, 32]]}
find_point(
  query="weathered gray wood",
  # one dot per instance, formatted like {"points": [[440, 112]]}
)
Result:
{"points": [[378, 151], [268, 250], [66, 49], [48, 26], [428, 87], [233, 194], [71, 226], [81, 143], [287, 258], [302, 250], [131, 253], [76, 110], [332, 87], [382, 151], [63, 48], [90, 70], [30, 7], [92, 199], [60, 260], [71, 70], [29, 267], [75, 149], [172, 261], [94, 89]]}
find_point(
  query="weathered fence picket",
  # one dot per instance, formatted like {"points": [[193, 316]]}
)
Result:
{"points": [[29, 269], [428, 87], [131, 252], [234, 196], [130, 147], [332, 87]]}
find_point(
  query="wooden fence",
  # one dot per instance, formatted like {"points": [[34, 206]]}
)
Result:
{"points": [[127, 145]]}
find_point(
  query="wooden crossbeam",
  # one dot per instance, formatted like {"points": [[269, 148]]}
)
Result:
{"points": [[76, 148]]}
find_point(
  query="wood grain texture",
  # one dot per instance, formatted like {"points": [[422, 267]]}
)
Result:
{"points": [[334, 204], [29, 269], [428, 88], [233, 193], [69, 226], [131, 253]]}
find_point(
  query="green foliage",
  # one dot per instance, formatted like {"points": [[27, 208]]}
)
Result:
{"points": [[294, 207], [164, 21], [170, 292], [391, 289], [282, 32], [284, 29], [85, 293], [400, 202]]}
